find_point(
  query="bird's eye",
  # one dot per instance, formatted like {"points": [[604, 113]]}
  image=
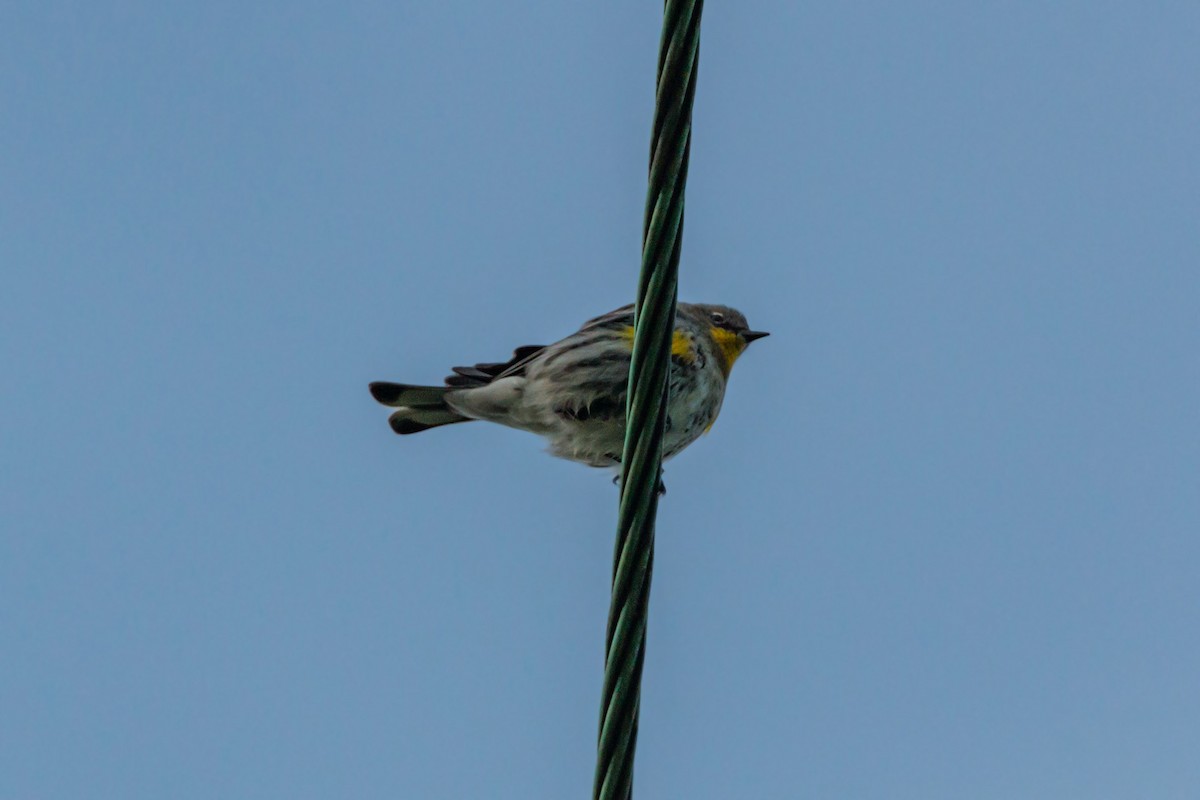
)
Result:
{"points": [[717, 317]]}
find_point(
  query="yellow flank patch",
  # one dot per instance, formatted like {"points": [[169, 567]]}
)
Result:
{"points": [[729, 345], [681, 344]]}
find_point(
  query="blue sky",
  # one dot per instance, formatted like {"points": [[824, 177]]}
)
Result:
{"points": [[942, 542]]}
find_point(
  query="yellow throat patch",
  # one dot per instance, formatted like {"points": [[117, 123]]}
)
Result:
{"points": [[729, 346]]}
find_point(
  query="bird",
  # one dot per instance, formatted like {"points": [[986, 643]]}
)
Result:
{"points": [[573, 392]]}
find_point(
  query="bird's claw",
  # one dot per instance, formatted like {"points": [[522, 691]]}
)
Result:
{"points": [[661, 488]]}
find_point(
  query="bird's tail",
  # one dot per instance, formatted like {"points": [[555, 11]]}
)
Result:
{"points": [[419, 408]]}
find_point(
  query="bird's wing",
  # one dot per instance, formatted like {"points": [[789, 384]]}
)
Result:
{"points": [[620, 318], [483, 374]]}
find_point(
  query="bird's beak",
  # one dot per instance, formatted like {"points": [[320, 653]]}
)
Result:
{"points": [[750, 336]]}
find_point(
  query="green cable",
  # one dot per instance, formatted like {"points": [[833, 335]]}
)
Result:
{"points": [[646, 408]]}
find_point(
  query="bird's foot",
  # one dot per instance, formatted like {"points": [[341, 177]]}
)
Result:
{"points": [[661, 488]]}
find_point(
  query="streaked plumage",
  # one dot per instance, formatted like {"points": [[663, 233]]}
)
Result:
{"points": [[573, 392]]}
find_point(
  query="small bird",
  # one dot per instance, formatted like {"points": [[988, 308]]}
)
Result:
{"points": [[573, 392]]}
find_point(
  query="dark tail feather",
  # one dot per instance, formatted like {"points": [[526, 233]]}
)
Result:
{"points": [[420, 407], [415, 420], [424, 407], [404, 395]]}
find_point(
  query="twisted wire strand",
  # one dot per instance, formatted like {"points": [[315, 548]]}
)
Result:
{"points": [[646, 404]]}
